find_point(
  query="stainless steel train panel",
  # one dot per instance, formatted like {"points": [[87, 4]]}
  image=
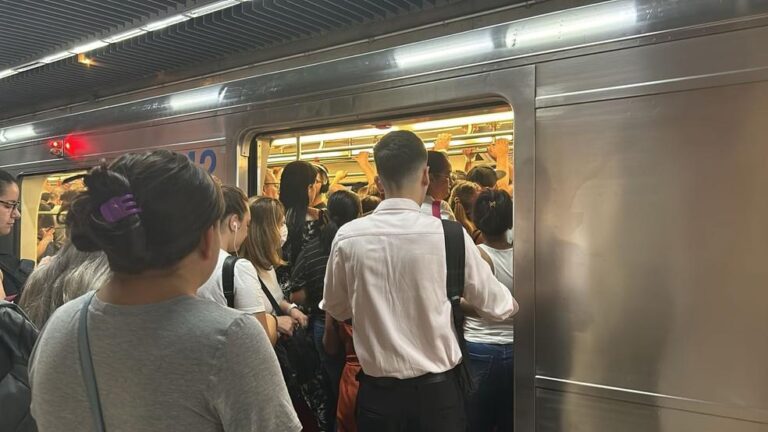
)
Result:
{"points": [[650, 250], [521, 41], [708, 61], [576, 412]]}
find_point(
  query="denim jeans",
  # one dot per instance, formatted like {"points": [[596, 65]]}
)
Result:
{"points": [[489, 407]]}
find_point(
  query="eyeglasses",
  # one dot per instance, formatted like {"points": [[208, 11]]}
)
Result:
{"points": [[11, 205], [276, 185]]}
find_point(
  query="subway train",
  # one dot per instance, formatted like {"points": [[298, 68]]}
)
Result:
{"points": [[641, 219]]}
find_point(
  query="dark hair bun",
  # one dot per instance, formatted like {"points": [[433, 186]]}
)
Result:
{"points": [[91, 232], [166, 230], [493, 212]]}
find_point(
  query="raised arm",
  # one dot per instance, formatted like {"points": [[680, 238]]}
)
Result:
{"points": [[501, 151], [365, 165]]}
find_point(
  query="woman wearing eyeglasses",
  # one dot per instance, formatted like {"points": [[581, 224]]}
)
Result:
{"points": [[17, 334], [9, 214]]}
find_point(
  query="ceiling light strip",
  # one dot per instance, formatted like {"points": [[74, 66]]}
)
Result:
{"points": [[101, 43]]}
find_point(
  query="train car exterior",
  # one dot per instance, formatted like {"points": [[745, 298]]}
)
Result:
{"points": [[640, 216]]}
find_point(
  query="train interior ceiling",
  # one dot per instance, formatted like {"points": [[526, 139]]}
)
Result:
{"points": [[462, 134], [471, 137]]}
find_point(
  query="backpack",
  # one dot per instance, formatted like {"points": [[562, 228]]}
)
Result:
{"points": [[17, 338]]}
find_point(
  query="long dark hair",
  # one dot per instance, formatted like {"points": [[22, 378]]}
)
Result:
{"points": [[343, 206], [167, 229], [295, 181]]}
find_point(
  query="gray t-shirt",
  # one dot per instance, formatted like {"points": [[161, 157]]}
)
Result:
{"points": [[186, 364]]}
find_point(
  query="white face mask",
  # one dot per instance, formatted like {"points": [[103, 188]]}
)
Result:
{"points": [[283, 234]]}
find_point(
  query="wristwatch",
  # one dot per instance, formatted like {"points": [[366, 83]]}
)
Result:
{"points": [[293, 306]]}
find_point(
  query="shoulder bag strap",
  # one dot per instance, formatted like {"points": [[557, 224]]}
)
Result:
{"points": [[454, 258], [454, 262], [228, 279], [436, 209], [86, 365], [271, 298]]}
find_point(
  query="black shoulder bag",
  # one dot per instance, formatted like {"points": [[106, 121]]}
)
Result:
{"points": [[297, 355], [454, 262], [228, 279]]}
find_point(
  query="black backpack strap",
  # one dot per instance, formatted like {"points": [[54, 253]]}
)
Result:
{"points": [[454, 262], [228, 279], [271, 298]]}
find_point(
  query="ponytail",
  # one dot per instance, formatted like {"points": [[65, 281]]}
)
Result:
{"points": [[493, 212]]}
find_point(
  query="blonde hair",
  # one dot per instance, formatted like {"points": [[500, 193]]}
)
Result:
{"points": [[462, 193], [262, 247]]}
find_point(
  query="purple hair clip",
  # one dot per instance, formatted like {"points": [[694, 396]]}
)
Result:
{"points": [[119, 208]]}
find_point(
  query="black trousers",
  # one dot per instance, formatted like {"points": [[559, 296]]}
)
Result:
{"points": [[416, 405]]}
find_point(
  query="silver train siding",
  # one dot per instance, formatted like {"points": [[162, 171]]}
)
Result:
{"points": [[641, 215]]}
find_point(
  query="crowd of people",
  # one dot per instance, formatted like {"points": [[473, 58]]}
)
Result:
{"points": [[308, 307]]}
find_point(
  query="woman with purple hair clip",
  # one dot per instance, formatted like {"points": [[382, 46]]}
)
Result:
{"points": [[144, 353]]}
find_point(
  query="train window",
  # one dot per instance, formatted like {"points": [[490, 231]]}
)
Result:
{"points": [[471, 138], [45, 200]]}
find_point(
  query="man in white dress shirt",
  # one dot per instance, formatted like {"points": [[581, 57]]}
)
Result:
{"points": [[387, 273]]}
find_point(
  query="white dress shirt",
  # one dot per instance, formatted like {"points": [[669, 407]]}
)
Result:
{"points": [[387, 273], [445, 208]]}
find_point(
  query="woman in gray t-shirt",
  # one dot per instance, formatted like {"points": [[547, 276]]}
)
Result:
{"points": [[162, 358]]}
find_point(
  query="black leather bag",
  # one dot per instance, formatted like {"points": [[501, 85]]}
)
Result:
{"points": [[296, 354], [17, 338]]}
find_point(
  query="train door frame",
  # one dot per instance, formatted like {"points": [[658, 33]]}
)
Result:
{"points": [[513, 86]]}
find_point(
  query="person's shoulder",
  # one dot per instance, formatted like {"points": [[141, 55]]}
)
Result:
{"points": [[245, 265], [209, 314], [243, 329], [65, 316], [11, 313], [353, 227], [70, 309], [240, 340]]}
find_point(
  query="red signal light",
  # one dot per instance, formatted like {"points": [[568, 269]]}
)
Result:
{"points": [[56, 148], [70, 146]]}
